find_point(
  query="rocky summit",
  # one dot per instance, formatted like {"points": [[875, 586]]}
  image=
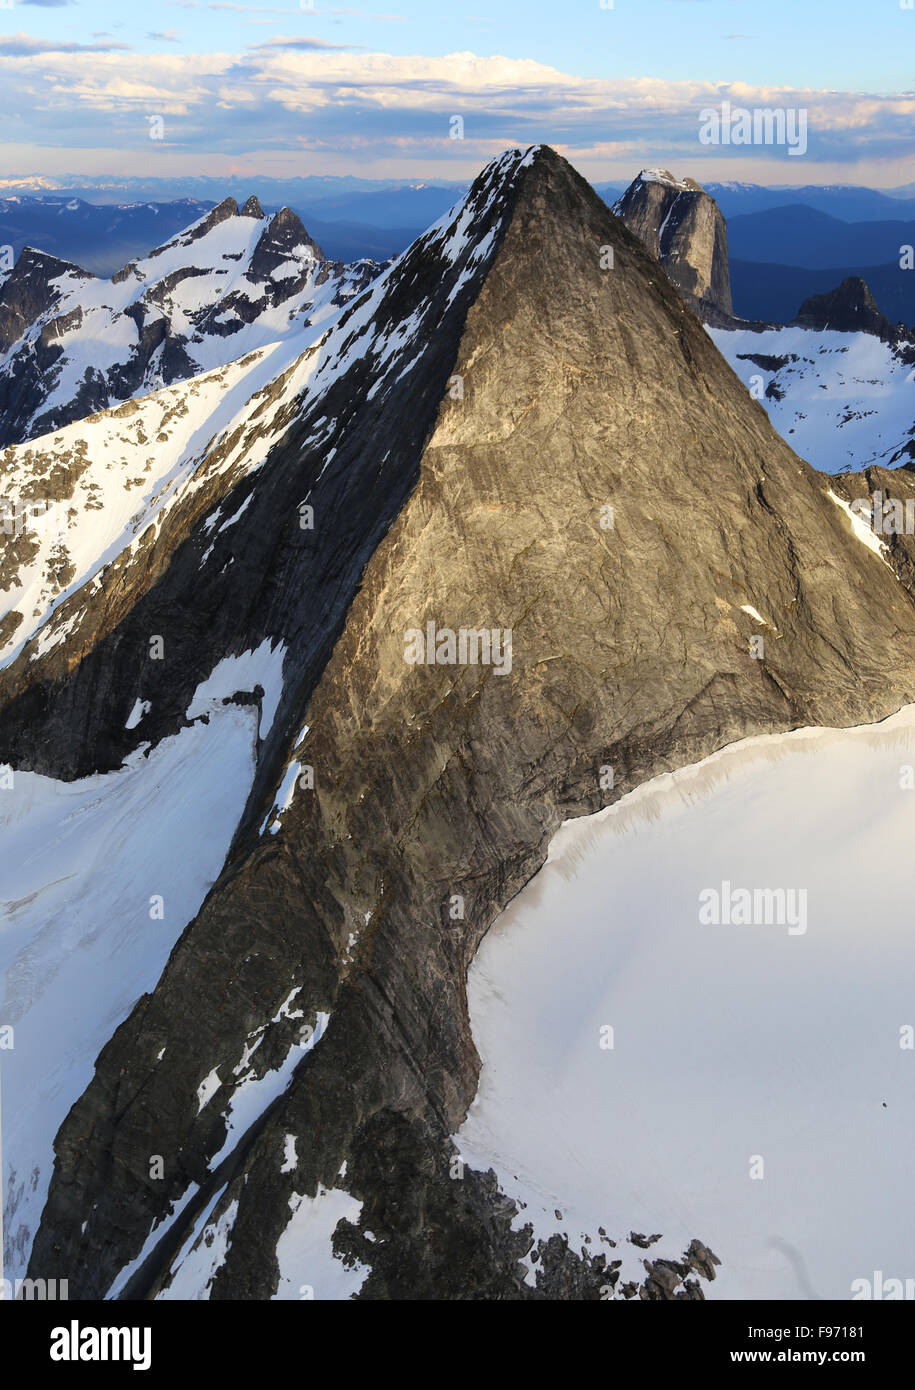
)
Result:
{"points": [[682, 227], [850, 308], [416, 580]]}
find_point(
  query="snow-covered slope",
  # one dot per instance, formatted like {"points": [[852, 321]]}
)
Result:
{"points": [[235, 280], [756, 1085], [843, 401], [85, 930], [75, 501]]}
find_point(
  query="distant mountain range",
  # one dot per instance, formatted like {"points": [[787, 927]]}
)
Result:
{"points": [[783, 255], [111, 189], [779, 238], [846, 202], [775, 292], [804, 236], [849, 202]]}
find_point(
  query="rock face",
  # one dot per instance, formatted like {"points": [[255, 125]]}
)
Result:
{"points": [[682, 227], [500, 434], [31, 289], [850, 308], [72, 344]]}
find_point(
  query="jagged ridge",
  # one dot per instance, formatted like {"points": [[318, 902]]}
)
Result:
{"points": [[234, 280]]}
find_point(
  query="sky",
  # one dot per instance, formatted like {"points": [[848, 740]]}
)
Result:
{"points": [[291, 89]]}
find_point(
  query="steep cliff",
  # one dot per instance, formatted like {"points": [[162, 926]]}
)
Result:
{"points": [[682, 227]]}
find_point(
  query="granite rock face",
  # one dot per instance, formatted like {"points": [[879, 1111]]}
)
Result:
{"points": [[520, 441], [683, 228]]}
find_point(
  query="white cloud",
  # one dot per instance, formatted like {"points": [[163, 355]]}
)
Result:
{"points": [[357, 105], [25, 46]]}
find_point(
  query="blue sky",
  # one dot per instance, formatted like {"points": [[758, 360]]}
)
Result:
{"points": [[371, 90]]}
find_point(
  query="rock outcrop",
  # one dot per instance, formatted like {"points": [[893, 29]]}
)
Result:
{"points": [[850, 308], [682, 227]]}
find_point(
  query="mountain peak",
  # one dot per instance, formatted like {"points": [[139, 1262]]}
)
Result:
{"points": [[669, 180], [683, 228], [283, 241], [202, 227], [849, 308], [252, 208]]}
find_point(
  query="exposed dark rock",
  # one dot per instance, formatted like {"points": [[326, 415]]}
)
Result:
{"points": [[767, 362], [30, 290], [850, 308]]}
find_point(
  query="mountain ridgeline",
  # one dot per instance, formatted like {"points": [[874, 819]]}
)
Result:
{"points": [[72, 344]]}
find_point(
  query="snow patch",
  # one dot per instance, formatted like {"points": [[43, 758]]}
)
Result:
{"points": [[308, 1266], [207, 1089], [263, 667], [290, 1161], [141, 708], [863, 531]]}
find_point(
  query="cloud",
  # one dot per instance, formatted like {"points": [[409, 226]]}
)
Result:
{"points": [[24, 46], [47, 4], [164, 36], [295, 42], [298, 102]]}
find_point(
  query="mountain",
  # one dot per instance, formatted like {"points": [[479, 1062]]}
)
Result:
{"points": [[684, 230], [836, 383], [99, 237], [549, 461], [234, 280], [773, 293], [850, 308], [804, 236], [847, 202], [103, 237]]}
